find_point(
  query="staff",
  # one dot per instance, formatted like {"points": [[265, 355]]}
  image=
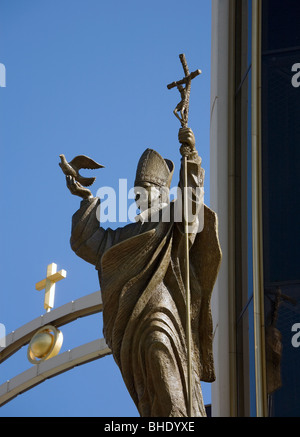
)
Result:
{"points": [[183, 109]]}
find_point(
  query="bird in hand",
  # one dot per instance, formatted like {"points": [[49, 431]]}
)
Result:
{"points": [[72, 168]]}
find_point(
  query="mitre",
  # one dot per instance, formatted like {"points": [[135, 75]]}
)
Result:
{"points": [[154, 169]]}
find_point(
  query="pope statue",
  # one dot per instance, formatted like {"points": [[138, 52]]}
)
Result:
{"points": [[141, 269]]}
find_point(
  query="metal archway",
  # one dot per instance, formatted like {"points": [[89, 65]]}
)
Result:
{"points": [[84, 306]]}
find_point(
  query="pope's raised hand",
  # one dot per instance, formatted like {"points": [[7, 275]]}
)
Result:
{"points": [[77, 189], [187, 140]]}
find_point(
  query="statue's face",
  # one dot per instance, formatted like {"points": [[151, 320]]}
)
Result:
{"points": [[148, 196]]}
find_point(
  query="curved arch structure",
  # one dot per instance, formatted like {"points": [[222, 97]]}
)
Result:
{"points": [[84, 306], [35, 375], [52, 367]]}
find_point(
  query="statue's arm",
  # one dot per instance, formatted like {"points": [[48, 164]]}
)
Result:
{"points": [[195, 182], [86, 235], [88, 239]]}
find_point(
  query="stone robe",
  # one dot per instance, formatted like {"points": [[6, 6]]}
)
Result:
{"points": [[141, 271]]}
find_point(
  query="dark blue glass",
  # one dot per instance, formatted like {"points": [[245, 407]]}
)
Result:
{"points": [[280, 196]]}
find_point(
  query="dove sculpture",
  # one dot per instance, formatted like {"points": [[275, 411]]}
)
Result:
{"points": [[72, 168]]}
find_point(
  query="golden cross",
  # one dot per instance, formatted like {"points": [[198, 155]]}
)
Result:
{"points": [[48, 284]]}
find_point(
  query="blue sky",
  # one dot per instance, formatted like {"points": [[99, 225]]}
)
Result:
{"points": [[84, 77]]}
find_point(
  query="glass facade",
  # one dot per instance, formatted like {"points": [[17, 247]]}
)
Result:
{"points": [[280, 198], [280, 147]]}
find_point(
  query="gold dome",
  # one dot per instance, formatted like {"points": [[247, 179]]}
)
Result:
{"points": [[41, 344], [45, 344]]}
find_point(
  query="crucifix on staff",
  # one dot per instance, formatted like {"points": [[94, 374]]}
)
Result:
{"points": [[183, 109], [183, 105]]}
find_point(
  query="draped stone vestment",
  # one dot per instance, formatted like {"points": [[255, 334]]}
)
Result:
{"points": [[141, 269]]}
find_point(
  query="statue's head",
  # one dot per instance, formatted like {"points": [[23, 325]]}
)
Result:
{"points": [[153, 180]]}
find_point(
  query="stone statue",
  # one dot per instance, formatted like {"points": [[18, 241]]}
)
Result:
{"points": [[141, 269]]}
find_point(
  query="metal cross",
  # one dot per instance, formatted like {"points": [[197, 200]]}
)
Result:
{"points": [[183, 105], [48, 284]]}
